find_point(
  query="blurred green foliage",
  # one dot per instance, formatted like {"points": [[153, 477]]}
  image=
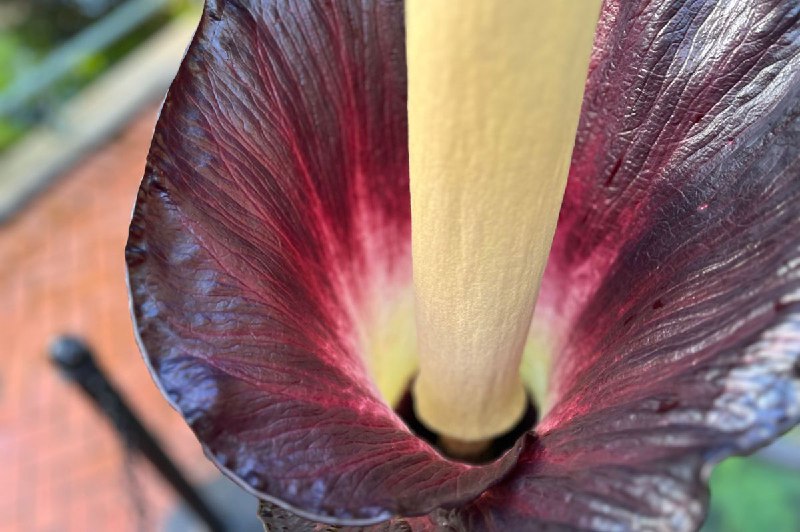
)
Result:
{"points": [[749, 495], [31, 29]]}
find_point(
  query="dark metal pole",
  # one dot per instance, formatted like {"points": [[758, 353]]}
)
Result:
{"points": [[75, 360]]}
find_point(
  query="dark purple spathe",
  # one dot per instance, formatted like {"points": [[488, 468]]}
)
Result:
{"points": [[276, 202]]}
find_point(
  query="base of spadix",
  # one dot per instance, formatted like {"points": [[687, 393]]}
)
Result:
{"points": [[464, 450], [469, 452], [483, 421]]}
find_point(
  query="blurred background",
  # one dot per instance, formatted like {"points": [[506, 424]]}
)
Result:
{"points": [[80, 86]]}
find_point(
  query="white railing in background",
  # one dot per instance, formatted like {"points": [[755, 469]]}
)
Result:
{"points": [[98, 111], [111, 28]]}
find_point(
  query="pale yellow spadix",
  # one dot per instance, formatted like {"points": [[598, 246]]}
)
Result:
{"points": [[494, 95]]}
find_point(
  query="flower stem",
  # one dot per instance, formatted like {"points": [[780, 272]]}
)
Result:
{"points": [[494, 94]]}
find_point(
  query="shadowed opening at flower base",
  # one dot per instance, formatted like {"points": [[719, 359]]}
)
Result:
{"points": [[485, 453]]}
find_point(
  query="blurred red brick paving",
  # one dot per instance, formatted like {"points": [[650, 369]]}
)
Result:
{"points": [[62, 271]]}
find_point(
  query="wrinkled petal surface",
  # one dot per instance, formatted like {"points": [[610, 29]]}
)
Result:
{"points": [[273, 217], [274, 214], [675, 273]]}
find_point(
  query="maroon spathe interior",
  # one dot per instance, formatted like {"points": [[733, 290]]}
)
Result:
{"points": [[277, 185]]}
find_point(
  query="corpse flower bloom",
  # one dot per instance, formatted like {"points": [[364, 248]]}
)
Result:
{"points": [[269, 264]]}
